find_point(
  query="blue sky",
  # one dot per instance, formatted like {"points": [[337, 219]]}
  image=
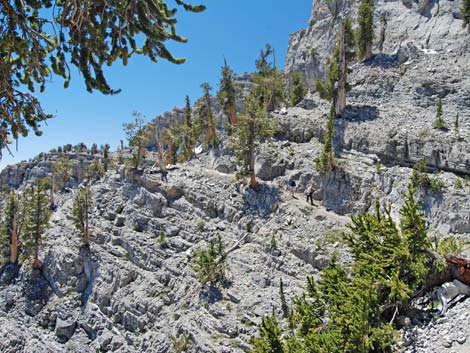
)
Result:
{"points": [[236, 29]]}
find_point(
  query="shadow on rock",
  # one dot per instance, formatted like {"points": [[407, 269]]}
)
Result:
{"points": [[36, 292], [9, 273], [261, 202], [210, 294]]}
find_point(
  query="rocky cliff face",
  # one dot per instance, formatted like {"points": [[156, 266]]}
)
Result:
{"points": [[130, 293], [427, 25]]}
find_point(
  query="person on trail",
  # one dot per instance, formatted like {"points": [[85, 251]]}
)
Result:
{"points": [[292, 187], [164, 175], [310, 195]]}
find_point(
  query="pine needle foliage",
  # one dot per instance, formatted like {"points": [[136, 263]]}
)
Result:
{"points": [[42, 38], [357, 311], [137, 136], [439, 121], [210, 263], [298, 90], [63, 169], [365, 30], [37, 215], [326, 162], [253, 127], [188, 139], [206, 117], [465, 12], [10, 227], [227, 96], [82, 204]]}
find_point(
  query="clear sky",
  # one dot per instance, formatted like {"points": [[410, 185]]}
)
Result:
{"points": [[236, 29]]}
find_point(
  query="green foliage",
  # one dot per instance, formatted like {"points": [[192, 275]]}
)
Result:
{"points": [[282, 295], [253, 127], [82, 204], [37, 215], [63, 169], [200, 225], [188, 135], [439, 122], [106, 149], [268, 86], [273, 242], [227, 96], [365, 29], [162, 239], [326, 162], [270, 340], [458, 184], [94, 148], [421, 180], [210, 264], [137, 136], [206, 121], [95, 170], [457, 125], [298, 89], [42, 38], [172, 139], [391, 264], [181, 343], [10, 226], [465, 12]]}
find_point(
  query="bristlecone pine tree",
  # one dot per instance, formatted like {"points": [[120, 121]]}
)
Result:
{"points": [[95, 170], [171, 138], [188, 140], [63, 170], [207, 117], [227, 96], [326, 162], [82, 204], [335, 86], [86, 34], [297, 90], [253, 127], [365, 29], [36, 220], [10, 227], [211, 264], [391, 264], [268, 82], [439, 122], [136, 136], [465, 12]]}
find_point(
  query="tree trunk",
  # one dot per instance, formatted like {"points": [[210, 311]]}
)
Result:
{"points": [[14, 243], [233, 114], [251, 141], [343, 67], [369, 53]]}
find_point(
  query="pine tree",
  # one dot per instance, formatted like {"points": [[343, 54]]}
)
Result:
{"points": [[284, 306], [270, 340], [465, 12], [37, 216], [210, 264], [227, 96], [439, 122], [365, 30], [10, 227], [253, 126], [207, 117], [63, 169], [298, 90], [188, 138], [94, 149], [326, 161], [268, 82], [171, 139], [82, 204], [95, 170], [89, 35], [136, 136], [335, 86]]}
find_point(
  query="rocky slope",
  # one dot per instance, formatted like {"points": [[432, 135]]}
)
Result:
{"points": [[128, 293]]}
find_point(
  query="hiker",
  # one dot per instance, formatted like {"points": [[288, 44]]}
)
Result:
{"points": [[292, 187], [164, 176], [310, 195]]}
